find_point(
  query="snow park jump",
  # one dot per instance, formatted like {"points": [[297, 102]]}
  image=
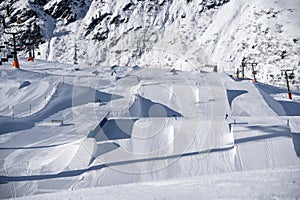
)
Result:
{"points": [[145, 138], [149, 99]]}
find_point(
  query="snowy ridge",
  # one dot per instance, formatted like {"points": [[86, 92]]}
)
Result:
{"points": [[168, 34]]}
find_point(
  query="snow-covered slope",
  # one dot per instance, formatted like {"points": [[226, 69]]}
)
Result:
{"points": [[162, 33], [265, 32], [274, 184], [130, 125], [119, 95]]}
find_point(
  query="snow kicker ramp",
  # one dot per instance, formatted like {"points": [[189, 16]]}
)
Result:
{"points": [[262, 138], [156, 133], [246, 100], [64, 96], [143, 107], [179, 98]]}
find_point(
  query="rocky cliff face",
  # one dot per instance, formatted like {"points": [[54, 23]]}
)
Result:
{"points": [[111, 32], [182, 34]]}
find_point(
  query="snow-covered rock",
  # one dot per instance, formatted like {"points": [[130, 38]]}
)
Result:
{"points": [[161, 33]]}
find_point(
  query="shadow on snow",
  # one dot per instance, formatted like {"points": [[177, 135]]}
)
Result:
{"points": [[143, 107], [66, 96], [7, 179]]}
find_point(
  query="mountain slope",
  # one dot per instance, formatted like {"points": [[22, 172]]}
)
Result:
{"points": [[163, 33]]}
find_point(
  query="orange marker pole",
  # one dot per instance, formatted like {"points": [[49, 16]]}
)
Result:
{"points": [[15, 62]]}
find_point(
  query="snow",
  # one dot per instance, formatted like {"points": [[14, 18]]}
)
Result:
{"points": [[237, 32], [276, 184], [139, 116], [177, 34], [142, 129]]}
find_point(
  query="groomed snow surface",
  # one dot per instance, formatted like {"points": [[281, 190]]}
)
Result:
{"points": [[267, 184], [127, 132]]}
